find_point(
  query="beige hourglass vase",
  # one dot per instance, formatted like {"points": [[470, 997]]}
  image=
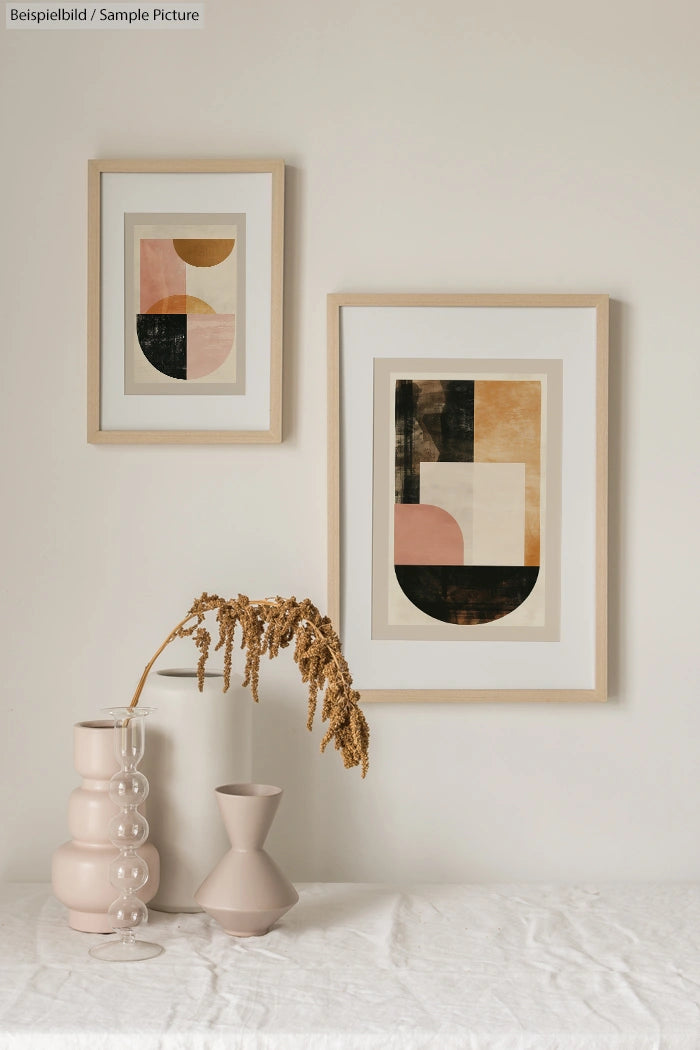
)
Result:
{"points": [[246, 892]]}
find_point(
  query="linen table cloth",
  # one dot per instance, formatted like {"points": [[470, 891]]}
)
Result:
{"points": [[370, 967]]}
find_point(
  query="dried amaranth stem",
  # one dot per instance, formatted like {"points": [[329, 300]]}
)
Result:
{"points": [[266, 626]]}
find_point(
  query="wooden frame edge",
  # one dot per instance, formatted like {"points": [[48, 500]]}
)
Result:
{"points": [[491, 299], [276, 301], [598, 301], [93, 303], [602, 434], [489, 696], [180, 165], [273, 435]]}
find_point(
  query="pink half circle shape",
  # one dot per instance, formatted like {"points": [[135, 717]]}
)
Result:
{"points": [[209, 342], [426, 535]]}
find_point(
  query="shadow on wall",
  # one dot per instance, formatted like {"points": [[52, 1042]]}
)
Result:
{"points": [[286, 754], [618, 395]]}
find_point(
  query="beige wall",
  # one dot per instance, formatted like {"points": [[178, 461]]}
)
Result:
{"points": [[447, 146]]}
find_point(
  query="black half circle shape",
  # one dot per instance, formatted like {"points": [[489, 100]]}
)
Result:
{"points": [[163, 339], [467, 594]]}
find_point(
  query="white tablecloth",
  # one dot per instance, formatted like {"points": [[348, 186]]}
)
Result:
{"points": [[359, 967]]}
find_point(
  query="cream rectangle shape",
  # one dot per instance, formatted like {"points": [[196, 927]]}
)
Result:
{"points": [[499, 513], [487, 500]]}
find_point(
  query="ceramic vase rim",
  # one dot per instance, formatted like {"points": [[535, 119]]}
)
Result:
{"points": [[130, 712], [248, 790], [187, 672]]}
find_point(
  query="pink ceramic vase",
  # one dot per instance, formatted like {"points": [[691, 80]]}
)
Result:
{"points": [[80, 868], [246, 892]]}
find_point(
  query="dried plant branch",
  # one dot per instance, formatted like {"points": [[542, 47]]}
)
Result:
{"points": [[266, 626]]}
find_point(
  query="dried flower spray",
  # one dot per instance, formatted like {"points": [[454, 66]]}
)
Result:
{"points": [[265, 627]]}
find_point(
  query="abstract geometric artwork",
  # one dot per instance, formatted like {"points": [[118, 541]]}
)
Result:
{"points": [[185, 290], [185, 301], [467, 494], [469, 449], [474, 491]]}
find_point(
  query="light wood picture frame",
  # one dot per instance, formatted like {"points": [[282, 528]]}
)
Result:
{"points": [[185, 297], [467, 487]]}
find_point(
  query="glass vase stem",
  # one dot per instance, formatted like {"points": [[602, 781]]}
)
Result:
{"points": [[128, 830]]}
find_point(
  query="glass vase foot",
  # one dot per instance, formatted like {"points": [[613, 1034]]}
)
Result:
{"points": [[131, 951]]}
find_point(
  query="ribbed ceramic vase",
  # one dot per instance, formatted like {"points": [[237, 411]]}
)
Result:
{"points": [[195, 741], [80, 873], [246, 892]]}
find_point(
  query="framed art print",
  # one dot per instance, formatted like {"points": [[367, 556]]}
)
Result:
{"points": [[467, 488], [185, 301]]}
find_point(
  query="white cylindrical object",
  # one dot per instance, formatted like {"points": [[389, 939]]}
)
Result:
{"points": [[196, 741]]}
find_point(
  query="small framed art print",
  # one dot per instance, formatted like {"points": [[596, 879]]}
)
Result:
{"points": [[185, 278]]}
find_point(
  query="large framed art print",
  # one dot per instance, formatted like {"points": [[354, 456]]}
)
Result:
{"points": [[185, 272], [468, 494]]}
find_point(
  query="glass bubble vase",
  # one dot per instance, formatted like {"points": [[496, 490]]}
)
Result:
{"points": [[128, 830]]}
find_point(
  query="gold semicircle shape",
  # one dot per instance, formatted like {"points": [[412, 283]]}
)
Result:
{"points": [[181, 304], [204, 251]]}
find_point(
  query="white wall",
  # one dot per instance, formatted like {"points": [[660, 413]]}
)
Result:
{"points": [[449, 146]]}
